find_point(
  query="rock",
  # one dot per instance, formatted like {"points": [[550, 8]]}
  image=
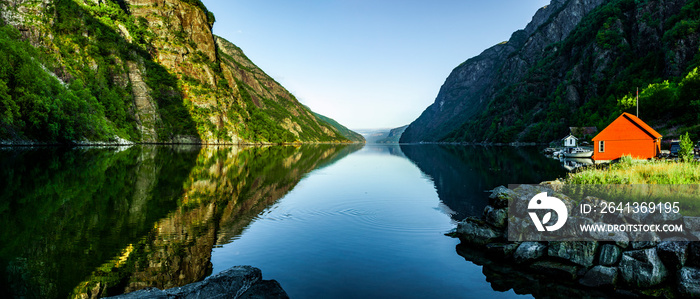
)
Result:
{"points": [[694, 254], [499, 197], [620, 238], [663, 217], [642, 268], [501, 250], [496, 217], [609, 255], [153, 293], [600, 276], [691, 223], [578, 252], [467, 90], [689, 282], [643, 244], [236, 282], [528, 252], [476, 232], [557, 269], [674, 254]]}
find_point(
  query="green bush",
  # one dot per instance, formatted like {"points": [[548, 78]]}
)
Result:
{"points": [[686, 151]]}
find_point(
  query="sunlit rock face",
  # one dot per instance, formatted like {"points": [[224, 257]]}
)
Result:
{"points": [[180, 82]]}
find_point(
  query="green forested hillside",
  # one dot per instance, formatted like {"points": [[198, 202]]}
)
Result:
{"points": [[349, 134], [592, 75], [34, 103], [146, 71]]}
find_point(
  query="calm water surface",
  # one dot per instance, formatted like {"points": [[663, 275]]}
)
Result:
{"points": [[324, 221]]}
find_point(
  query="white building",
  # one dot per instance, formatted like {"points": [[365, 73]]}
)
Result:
{"points": [[570, 141]]}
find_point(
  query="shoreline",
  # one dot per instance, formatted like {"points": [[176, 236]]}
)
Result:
{"points": [[615, 268], [19, 144]]}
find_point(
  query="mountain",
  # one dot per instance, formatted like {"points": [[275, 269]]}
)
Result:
{"points": [[578, 63], [139, 70], [347, 133], [393, 136], [382, 135]]}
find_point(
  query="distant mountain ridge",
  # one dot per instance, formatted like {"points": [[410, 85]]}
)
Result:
{"points": [[137, 70], [383, 135], [575, 64]]}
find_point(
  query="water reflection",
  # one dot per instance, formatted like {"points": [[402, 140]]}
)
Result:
{"points": [[95, 222], [503, 277], [462, 174]]}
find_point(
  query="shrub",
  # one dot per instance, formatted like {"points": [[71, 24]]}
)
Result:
{"points": [[686, 152]]}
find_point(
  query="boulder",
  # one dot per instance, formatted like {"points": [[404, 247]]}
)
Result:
{"points": [[643, 244], [691, 223], [600, 276], [475, 231], [689, 282], [236, 282], [501, 250], [674, 254], [620, 238], [496, 217], [642, 268], [499, 197], [578, 252], [556, 269], [694, 254], [609, 255], [528, 252]]}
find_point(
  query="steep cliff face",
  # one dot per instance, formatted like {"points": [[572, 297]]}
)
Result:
{"points": [[471, 85], [151, 71], [571, 66]]}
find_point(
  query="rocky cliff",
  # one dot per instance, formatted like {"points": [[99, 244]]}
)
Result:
{"points": [[574, 59], [144, 71]]}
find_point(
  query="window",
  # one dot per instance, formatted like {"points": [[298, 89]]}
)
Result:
{"points": [[601, 146]]}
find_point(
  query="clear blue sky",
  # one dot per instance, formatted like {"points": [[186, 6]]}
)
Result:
{"points": [[367, 63]]}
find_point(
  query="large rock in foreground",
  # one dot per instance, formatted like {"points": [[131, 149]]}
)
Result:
{"points": [[642, 268], [237, 282]]}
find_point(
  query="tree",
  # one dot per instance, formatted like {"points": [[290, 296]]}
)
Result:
{"points": [[686, 151]]}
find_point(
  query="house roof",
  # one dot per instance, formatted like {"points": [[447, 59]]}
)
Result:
{"points": [[569, 136], [622, 128]]}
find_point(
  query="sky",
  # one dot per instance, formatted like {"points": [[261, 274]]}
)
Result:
{"points": [[368, 64]]}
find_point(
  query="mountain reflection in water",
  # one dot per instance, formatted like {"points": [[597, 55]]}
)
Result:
{"points": [[96, 222], [463, 174], [87, 222]]}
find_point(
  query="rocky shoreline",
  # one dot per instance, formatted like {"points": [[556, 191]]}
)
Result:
{"points": [[615, 268], [236, 282]]}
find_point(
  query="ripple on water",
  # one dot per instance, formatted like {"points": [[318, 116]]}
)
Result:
{"points": [[366, 215]]}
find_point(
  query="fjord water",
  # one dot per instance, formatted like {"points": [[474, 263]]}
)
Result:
{"points": [[338, 221]]}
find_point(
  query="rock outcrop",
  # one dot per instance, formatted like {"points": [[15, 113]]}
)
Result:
{"points": [[568, 67], [236, 282], [470, 86], [613, 267]]}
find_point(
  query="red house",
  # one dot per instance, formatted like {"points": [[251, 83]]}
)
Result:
{"points": [[627, 135]]}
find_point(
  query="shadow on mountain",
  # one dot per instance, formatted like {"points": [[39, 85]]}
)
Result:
{"points": [[462, 174]]}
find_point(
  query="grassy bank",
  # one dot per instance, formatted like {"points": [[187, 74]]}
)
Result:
{"points": [[655, 181], [629, 171]]}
